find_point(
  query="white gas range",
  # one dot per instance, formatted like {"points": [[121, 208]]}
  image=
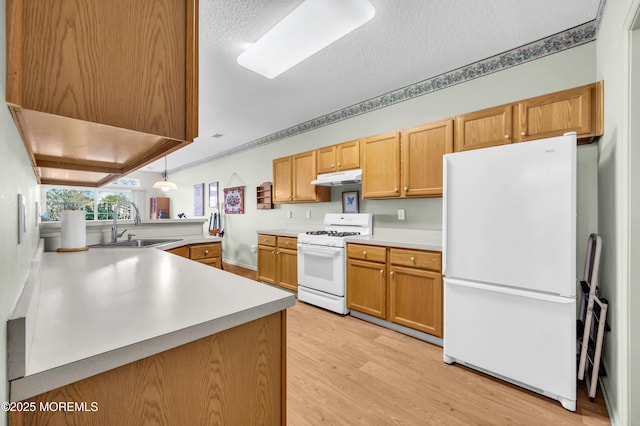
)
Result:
{"points": [[322, 260]]}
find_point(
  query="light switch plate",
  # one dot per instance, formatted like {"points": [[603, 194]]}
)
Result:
{"points": [[289, 214], [22, 218], [308, 214]]}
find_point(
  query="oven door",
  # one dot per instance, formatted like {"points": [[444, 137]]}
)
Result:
{"points": [[322, 268]]}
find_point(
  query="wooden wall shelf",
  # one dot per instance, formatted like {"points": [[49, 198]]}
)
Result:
{"points": [[264, 197]]}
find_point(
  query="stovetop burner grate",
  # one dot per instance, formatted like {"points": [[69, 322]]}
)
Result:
{"points": [[333, 233]]}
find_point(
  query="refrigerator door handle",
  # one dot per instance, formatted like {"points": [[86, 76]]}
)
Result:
{"points": [[513, 291], [445, 192]]}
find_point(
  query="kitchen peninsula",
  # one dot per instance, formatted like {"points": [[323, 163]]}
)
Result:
{"points": [[140, 335]]}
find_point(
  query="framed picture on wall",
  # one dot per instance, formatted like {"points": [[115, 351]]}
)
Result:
{"points": [[350, 201], [198, 199], [234, 200], [213, 195]]}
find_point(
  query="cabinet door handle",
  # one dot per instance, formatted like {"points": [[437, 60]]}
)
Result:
{"points": [[523, 133], [406, 188], [273, 252], [392, 273], [332, 166], [506, 136], [395, 189], [382, 271], [339, 164]]}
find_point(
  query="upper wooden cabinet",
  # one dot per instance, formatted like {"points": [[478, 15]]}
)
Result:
{"points": [[422, 150], [380, 160], [292, 178], [282, 180], [577, 110], [482, 129], [344, 156], [99, 89]]}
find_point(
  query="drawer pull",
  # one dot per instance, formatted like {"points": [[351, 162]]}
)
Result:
{"points": [[364, 253], [206, 252], [413, 259]]}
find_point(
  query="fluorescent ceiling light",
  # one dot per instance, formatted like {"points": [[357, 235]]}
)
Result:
{"points": [[311, 27]]}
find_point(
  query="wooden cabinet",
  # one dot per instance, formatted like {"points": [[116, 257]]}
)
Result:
{"points": [[292, 178], [398, 285], [278, 261], [380, 160], [99, 89], [182, 251], [344, 156], [415, 290], [367, 287], [482, 129], [422, 149], [207, 253], [577, 110], [159, 208], [304, 171], [282, 180]]}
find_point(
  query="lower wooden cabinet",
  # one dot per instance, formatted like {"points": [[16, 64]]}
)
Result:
{"points": [[207, 253], [367, 287], [278, 261], [415, 299], [401, 286]]}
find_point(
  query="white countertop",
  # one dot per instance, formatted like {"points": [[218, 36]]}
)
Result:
{"points": [[103, 308], [418, 239]]}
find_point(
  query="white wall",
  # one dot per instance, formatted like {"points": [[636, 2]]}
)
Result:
{"points": [[16, 176], [560, 71], [613, 64]]}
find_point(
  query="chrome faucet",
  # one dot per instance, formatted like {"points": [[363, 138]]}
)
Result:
{"points": [[114, 228]]}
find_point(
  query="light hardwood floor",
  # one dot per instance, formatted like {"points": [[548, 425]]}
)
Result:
{"points": [[345, 371]]}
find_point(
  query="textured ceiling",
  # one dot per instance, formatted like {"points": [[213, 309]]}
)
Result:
{"points": [[407, 41]]}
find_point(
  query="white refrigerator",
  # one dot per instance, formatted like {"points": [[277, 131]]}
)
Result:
{"points": [[509, 260]]}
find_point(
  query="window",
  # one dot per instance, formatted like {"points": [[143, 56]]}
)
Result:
{"points": [[97, 204]]}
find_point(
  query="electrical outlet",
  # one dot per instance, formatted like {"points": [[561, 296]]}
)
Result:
{"points": [[289, 214], [400, 214], [308, 214]]}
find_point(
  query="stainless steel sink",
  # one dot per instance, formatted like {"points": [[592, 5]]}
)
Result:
{"points": [[139, 243]]}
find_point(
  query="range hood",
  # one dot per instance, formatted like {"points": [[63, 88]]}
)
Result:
{"points": [[339, 178]]}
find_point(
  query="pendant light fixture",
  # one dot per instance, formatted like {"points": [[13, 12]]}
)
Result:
{"points": [[164, 184]]}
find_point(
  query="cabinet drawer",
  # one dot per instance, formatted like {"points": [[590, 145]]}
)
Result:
{"points": [[416, 259], [288, 242], [214, 261], [205, 251], [267, 240], [372, 253], [180, 251]]}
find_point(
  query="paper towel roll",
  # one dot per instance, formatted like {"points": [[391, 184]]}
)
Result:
{"points": [[74, 231]]}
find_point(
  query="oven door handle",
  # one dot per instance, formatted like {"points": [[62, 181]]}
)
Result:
{"points": [[317, 251]]}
